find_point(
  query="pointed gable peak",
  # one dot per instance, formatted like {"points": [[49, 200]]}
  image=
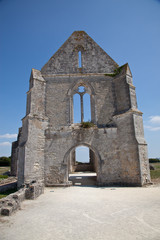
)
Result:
{"points": [[79, 54], [79, 34], [127, 69]]}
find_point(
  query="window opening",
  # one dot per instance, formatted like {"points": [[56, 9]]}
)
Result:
{"points": [[76, 108], [81, 89], [86, 107], [81, 106], [79, 59], [82, 154]]}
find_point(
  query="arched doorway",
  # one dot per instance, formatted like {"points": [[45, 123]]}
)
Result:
{"points": [[83, 164]]}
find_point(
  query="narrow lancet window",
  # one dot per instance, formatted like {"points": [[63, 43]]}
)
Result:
{"points": [[87, 107], [76, 108], [79, 59]]}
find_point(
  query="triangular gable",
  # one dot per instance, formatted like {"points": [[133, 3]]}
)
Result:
{"points": [[93, 58]]}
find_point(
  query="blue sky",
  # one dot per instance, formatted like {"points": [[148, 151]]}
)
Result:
{"points": [[31, 32]]}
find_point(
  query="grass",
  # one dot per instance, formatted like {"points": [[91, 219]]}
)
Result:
{"points": [[5, 194], [155, 174], [4, 169], [3, 176]]}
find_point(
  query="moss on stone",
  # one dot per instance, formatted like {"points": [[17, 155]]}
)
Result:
{"points": [[116, 72], [87, 124]]}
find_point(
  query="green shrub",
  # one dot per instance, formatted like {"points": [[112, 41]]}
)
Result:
{"points": [[154, 160], [87, 124], [116, 72], [5, 161]]}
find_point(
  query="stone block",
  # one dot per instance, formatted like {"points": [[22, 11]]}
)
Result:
{"points": [[6, 211]]}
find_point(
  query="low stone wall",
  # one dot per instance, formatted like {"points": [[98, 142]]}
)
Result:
{"points": [[13, 201], [83, 167], [8, 186], [33, 191]]}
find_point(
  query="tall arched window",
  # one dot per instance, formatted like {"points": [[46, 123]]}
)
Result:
{"points": [[76, 108], [81, 105], [87, 107]]}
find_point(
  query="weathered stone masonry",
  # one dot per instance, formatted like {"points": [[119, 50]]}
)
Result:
{"points": [[45, 149]]}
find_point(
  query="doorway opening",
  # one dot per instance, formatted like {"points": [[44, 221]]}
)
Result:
{"points": [[83, 166]]}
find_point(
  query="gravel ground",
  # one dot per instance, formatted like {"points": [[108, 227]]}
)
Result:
{"points": [[89, 213]]}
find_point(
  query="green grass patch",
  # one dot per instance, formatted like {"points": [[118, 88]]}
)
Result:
{"points": [[4, 169], [5, 194], [155, 173], [3, 176], [156, 165]]}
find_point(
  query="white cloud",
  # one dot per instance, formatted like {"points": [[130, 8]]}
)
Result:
{"points": [[8, 135], [153, 124], [154, 119], [5, 144], [151, 128]]}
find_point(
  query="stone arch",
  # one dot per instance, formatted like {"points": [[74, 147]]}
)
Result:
{"points": [[80, 82], [97, 159]]}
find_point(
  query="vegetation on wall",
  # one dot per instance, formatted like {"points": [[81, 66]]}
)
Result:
{"points": [[116, 72], [87, 124]]}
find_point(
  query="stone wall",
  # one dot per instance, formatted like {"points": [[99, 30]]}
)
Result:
{"points": [[14, 159], [48, 138], [111, 160], [12, 202], [65, 60], [32, 141]]}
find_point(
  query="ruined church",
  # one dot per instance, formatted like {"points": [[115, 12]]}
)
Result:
{"points": [[44, 152]]}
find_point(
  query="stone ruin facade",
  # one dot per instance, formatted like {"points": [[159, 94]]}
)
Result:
{"points": [[44, 152]]}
